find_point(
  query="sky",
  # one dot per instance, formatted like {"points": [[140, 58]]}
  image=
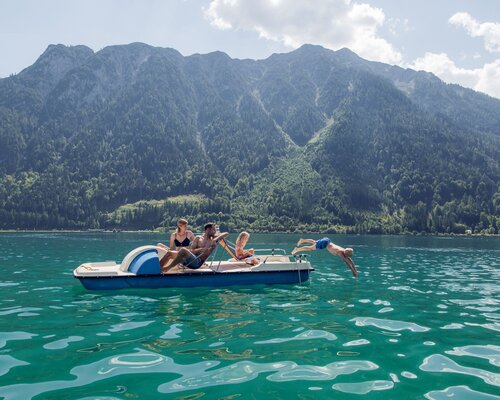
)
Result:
{"points": [[458, 40]]}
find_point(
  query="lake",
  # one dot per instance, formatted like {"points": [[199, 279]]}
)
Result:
{"points": [[421, 321]]}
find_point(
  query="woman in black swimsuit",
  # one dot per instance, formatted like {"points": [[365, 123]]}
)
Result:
{"points": [[182, 236]]}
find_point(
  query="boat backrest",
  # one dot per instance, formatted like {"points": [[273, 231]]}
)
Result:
{"points": [[228, 248]]}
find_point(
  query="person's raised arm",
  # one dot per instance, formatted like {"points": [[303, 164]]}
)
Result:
{"points": [[172, 238]]}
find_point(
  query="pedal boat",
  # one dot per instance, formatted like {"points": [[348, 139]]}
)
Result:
{"points": [[141, 269]]}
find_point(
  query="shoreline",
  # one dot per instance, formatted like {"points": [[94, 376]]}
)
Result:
{"points": [[21, 231]]}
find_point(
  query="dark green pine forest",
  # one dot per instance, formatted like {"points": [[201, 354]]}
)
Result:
{"points": [[134, 137]]}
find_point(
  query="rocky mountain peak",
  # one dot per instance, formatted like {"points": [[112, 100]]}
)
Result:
{"points": [[54, 63]]}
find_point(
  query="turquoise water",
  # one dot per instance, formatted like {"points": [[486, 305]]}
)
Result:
{"points": [[421, 321]]}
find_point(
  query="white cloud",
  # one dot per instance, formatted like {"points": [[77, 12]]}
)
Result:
{"points": [[489, 79], [489, 31], [485, 79], [398, 25], [331, 23]]}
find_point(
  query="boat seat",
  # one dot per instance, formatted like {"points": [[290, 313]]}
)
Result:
{"points": [[98, 269]]}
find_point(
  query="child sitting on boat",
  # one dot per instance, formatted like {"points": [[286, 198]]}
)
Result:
{"points": [[344, 254], [245, 255]]}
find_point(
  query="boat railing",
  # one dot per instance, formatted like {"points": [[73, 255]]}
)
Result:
{"points": [[273, 251], [300, 257]]}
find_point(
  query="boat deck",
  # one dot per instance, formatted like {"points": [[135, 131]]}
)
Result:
{"points": [[267, 263]]}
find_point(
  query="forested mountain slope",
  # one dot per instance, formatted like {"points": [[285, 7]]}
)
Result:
{"points": [[135, 136]]}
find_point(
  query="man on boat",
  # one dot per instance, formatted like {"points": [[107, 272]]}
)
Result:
{"points": [[200, 250]]}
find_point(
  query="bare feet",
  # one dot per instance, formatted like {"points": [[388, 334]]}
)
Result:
{"points": [[299, 243], [164, 270], [295, 250], [252, 260]]}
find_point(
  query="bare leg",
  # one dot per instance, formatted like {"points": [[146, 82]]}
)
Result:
{"points": [[304, 248], [167, 257], [308, 241], [179, 258]]}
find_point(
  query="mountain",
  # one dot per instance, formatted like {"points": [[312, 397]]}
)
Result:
{"points": [[136, 136]]}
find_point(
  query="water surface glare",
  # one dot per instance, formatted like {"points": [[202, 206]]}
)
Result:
{"points": [[421, 321]]}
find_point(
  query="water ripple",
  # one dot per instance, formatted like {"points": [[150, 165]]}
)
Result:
{"points": [[172, 333], [244, 371], [62, 343], [391, 325], [488, 352], [21, 311], [363, 387], [132, 363], [408, 375], [406, 289], [459, 393], [440, 363], [8, 362], [453, 326], [316, 373], [7, 336], [4, 284], [127, 326], [311, 334], [358, 342]]}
